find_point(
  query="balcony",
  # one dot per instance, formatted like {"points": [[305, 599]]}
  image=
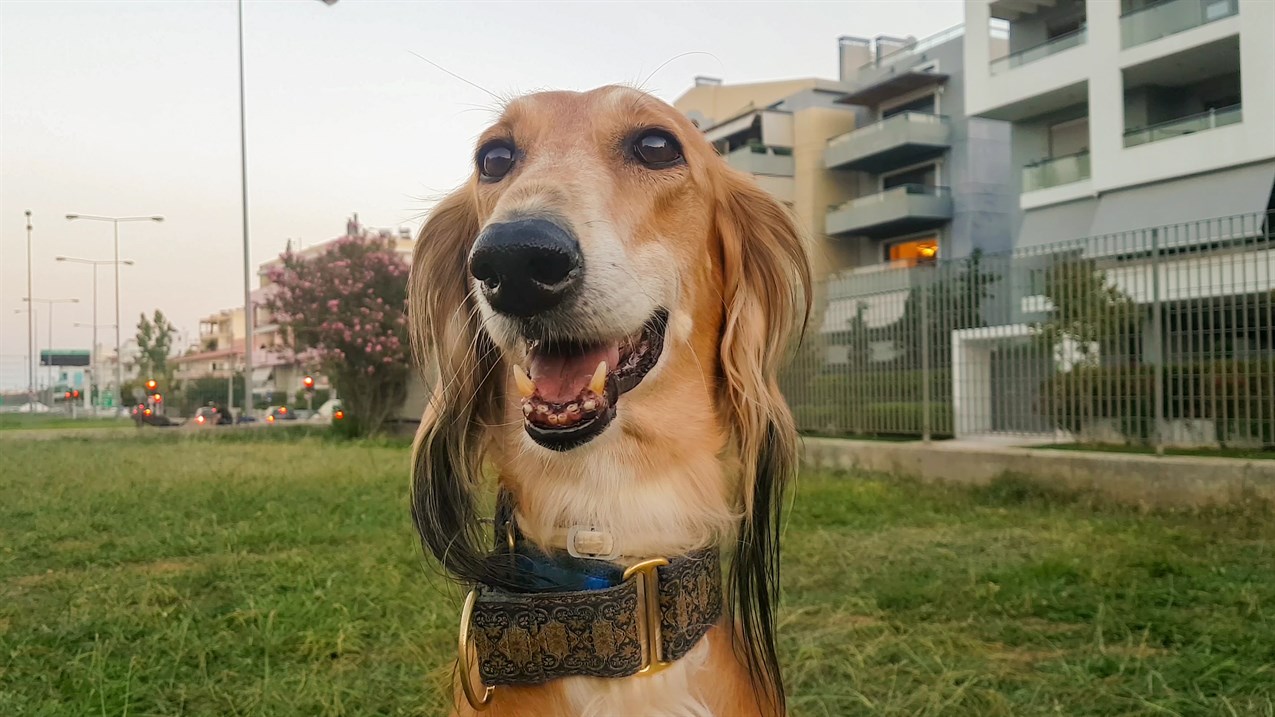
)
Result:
{"points": [[1212, 119], [893, 142], [1171, 17], [1055, 171], [760, 159], [899, 210], [1052, 46]]}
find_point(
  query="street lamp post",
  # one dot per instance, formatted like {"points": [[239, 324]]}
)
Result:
{"points": [[248, 308], [95, 263], [115, 221], [30, 322], [50, 303]]}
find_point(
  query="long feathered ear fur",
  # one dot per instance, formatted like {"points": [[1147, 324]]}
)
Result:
{"points": [[766, 288], [447, 339]]}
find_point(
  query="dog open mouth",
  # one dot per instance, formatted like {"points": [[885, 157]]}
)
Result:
{"points": [[570, 389]]}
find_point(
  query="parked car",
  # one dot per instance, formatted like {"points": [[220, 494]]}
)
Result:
{"points": [[331, 410], [275, 414], [211, 416]]}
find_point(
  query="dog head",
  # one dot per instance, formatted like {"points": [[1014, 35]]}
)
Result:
{"points": [[606, 288]]}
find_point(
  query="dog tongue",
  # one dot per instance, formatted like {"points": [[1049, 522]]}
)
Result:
{"points": [[560, 376]]}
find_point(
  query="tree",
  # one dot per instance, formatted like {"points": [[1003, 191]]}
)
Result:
{"points": [[348, 307], [154, 343], [1088, 312]]}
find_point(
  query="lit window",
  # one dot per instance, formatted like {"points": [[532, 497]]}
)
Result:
{"points": [[914, 251]]}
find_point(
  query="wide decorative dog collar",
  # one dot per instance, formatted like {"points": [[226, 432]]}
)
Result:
{"points": [[654, 614]]}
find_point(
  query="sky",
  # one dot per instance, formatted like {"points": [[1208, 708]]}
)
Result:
{"points": [[131, 108]]}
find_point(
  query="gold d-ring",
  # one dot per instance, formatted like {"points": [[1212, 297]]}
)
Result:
{"points": [[463, 648], [649, 614]]}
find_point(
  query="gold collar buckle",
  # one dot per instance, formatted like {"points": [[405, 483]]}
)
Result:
{"points": [[649, 630], [466, 665]]}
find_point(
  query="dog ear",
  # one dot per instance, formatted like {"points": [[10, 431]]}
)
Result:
{"points": [[449, 343], [766, 288]]}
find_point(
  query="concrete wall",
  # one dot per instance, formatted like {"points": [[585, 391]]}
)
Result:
{"points": [[1154, 482], [817, 187]]}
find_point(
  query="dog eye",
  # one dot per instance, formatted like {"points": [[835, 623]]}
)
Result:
{"points": [[495, 160], [657, 148]]}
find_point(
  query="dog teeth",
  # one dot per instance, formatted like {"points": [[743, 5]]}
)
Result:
{"points": [[598, 383], [590, 404], [526, 386], [527, 409]]}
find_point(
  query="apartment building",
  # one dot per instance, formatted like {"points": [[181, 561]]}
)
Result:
{"points": [[881, 167], [928, 181], [1128, 113], [777, 131]]}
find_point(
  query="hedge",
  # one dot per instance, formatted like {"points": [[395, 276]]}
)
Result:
{"points": [[1238, 396]]}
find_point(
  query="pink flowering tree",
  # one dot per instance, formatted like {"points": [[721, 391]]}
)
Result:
{"points": [[347, 307]]}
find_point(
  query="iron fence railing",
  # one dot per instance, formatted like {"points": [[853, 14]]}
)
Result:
{"points": [[1163, 336]]}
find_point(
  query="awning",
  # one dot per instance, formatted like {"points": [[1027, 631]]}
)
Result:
{"points": [[1057, 223], [730, 127], [262, 374], [1204, 208], [893, 83]]}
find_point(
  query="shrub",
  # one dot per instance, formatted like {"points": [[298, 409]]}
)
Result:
{"points": [[1238, 396]]}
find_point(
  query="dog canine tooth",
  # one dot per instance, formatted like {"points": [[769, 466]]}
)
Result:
{"points": [[597, 384], [590, 404], [526, 409], [526, 386]]}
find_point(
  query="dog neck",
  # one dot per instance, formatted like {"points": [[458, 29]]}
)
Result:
{"points": [[656, 489]]}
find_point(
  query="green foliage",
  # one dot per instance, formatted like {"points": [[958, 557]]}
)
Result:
{"points": [[348, 306], [1088, 310], [154, 344], [202, 391], [1239, 396], [874, 402]]}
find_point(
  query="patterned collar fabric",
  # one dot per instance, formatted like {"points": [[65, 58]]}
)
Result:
{"points": [[577, 616]]}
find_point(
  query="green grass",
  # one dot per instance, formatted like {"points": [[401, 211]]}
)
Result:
{"points": [[19, 421], [1251, 454], [166, 575]]}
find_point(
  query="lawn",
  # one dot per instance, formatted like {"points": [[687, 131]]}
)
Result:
{"points": [[177, 575], [28, 421]]}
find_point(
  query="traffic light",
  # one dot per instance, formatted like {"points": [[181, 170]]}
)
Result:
{"points": [[157, 398], [151, 385], [68, 395], [338, 415], [75, 393], [308, 382]]}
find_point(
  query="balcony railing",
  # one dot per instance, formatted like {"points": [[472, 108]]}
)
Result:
{"points": [[1170, 17], [886, 195], [760, 159], [1219, 117], [1051, 46], [898, 210], [1055, 171], [916, 47], [903, 119]]}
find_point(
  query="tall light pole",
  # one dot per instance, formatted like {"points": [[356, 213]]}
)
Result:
{"points": [[50, 303], [95, 263], [248, 318], [30, 322], [119, 359]]}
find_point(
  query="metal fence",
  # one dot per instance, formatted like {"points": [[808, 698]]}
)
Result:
{"points": [[1159, 336]]}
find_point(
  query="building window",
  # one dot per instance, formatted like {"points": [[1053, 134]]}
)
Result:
{"points": [[913, 251]]}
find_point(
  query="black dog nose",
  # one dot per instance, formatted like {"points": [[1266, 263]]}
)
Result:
{"points": [[526, 267]]}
